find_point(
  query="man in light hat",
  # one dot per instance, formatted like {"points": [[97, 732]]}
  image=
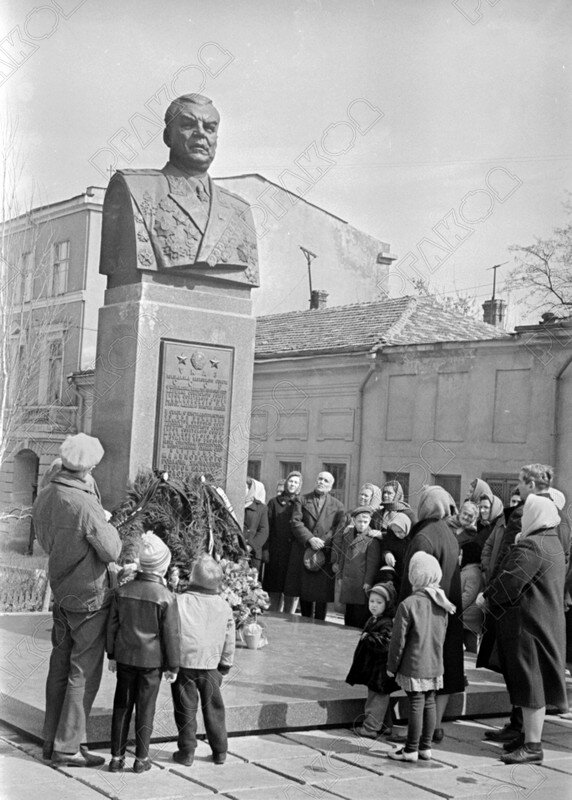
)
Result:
{"points": [[71, 527]]}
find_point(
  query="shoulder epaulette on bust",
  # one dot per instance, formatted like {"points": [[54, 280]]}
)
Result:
{"points": [[139, 172]]}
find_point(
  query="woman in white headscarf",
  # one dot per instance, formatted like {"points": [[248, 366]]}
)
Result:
{"points": [[432, 534], [527, 600], [255, 520]]}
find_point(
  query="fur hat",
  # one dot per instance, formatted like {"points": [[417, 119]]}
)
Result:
{"points": [[154, 555], [207, 573], [362, 510], [385, 590], [81, 452]]}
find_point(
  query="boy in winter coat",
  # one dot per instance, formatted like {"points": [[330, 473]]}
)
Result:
{"points": [[416, 652], [142, 641], [207, 652], [370, 659]]}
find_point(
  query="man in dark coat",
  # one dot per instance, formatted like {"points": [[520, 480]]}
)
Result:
{"points": [[72, 528], [316, 518]]}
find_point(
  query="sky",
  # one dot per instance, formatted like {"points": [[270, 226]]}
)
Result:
{"points": [[442, 127]]}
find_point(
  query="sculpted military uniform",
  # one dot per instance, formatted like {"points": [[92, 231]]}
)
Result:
{"points": [[162, 220]]}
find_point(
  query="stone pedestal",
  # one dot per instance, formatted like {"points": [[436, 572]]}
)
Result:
{"points": [[173, 382]]}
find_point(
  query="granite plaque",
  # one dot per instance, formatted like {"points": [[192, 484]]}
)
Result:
{"points": [[193, 415]]}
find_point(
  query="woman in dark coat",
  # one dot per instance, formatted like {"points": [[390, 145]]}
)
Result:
{"points": [[527, 600], [432, 534], [392, 502], [276, 552], [255, 520]]}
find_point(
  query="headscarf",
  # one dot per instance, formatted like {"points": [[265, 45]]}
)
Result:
{"points": [[375, 501], [425, 575], [255, 491], [294, 474], [435, 503], [539, 512], [558, 497], [401, 521], [482, 489], [497, 508], [398, 489]]}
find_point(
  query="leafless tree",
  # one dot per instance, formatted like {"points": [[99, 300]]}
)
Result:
{"points": [[544, 268], [28, 312]]}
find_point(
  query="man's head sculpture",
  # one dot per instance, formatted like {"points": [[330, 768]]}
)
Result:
{"points": [[191, 131]]}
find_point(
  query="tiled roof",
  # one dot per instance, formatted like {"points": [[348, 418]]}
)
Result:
{"points": [[339, 329]]}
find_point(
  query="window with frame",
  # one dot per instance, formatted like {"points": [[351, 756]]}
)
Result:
{"points": [[60, 268], [402, 478], [340, 473], [55, 370], [451, 484], [254, 468], [286, 467]]}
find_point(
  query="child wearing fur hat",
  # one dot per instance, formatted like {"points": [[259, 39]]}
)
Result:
{"points": [[357, 560], [416, 652], [142, 642], [370, 660], [206, 655]]}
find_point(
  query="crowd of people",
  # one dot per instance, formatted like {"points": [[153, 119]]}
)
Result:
{"points": [[422, 585], [428, 584]]}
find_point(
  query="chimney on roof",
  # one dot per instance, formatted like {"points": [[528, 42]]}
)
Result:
{"points": [[318, 299], [494, 312]]}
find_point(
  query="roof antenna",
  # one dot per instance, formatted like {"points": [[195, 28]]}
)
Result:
{"points": [[309, 258], [496, 266]]}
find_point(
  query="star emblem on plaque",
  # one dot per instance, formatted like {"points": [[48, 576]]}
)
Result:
{"points": [[214, 363], [181, 360], [198, 360]]}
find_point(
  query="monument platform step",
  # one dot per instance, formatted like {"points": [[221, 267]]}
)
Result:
{"points": [[297, 681]]}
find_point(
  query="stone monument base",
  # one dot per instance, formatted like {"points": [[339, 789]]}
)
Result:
{"points": [[296, 681], [173, 382]]}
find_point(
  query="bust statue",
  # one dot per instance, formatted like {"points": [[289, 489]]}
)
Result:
{"points": [[176, 219]]}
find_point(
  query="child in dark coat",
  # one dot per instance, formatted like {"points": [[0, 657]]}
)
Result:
{"points": [[142, 641], [370, 659]]}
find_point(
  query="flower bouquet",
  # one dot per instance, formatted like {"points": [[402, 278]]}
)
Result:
{"points": [[242, 591]]}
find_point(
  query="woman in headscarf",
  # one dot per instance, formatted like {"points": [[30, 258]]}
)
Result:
{"points": [[527, 600], [255, 520], [432, 534], [392, 502], [276, 552], [478, 488]]}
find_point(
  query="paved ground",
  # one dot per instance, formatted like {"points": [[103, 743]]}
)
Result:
{"points": [[298, 765]]}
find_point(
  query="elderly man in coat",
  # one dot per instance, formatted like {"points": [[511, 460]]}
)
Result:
{"points": [[315, 519], [72, 527]]}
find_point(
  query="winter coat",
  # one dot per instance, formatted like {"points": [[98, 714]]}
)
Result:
{"points": [[419, 629], [256, 528], [434, 536], [70, 525], [526, 598], [398, 548], [208, 634], [307, 522], [359, 563], [471, 584], [279, 542], [369, 665], [143, 624]]}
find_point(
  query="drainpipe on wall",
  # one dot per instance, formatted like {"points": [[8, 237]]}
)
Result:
{"points": [[557, 379], [372, 356]]}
